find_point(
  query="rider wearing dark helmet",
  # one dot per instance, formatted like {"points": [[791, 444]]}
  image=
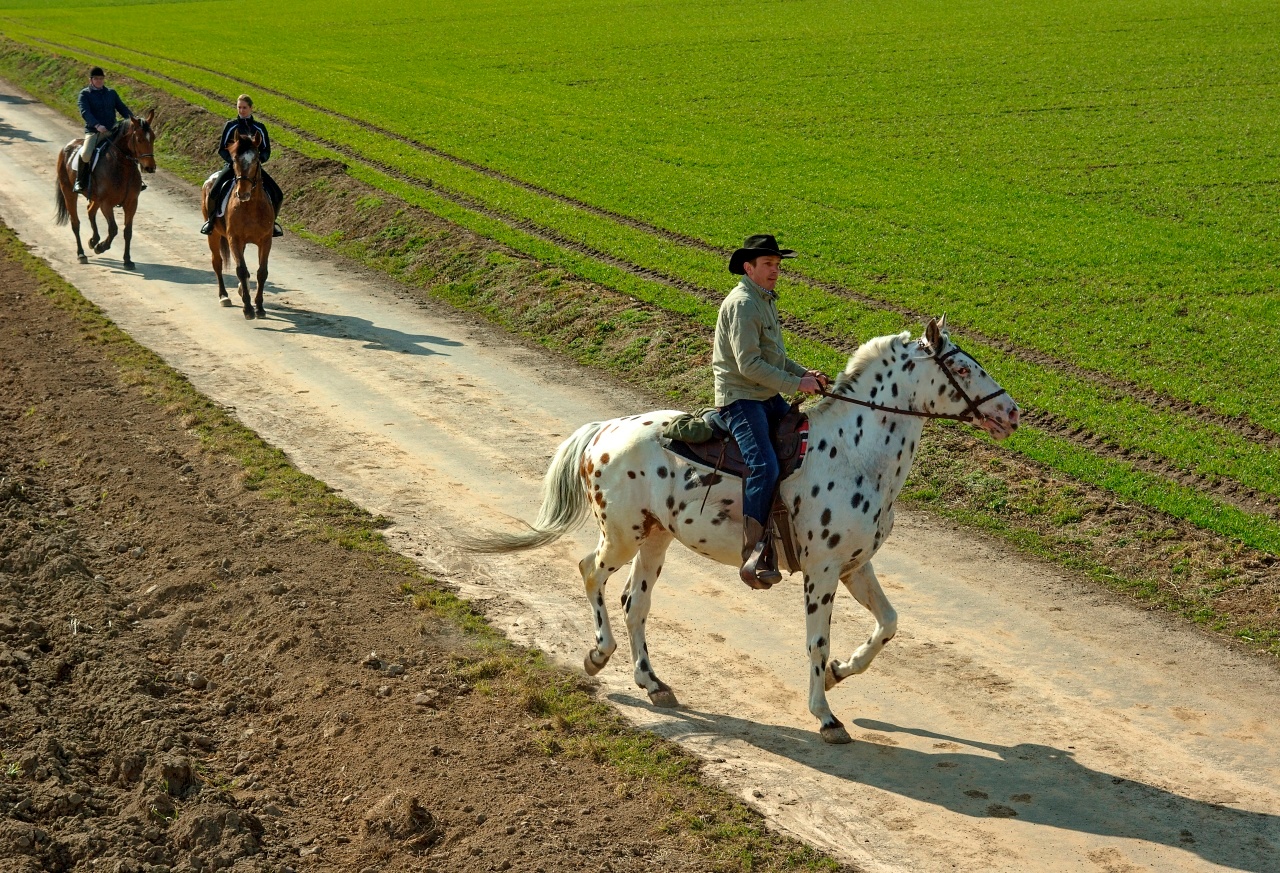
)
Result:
{"points": [[244, 124], [98, 106]]}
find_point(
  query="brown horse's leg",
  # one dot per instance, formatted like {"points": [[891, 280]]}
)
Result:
{"points": [[112, 228], [130, 207], [72, 201], [91, 210], [264, 252], [242, 273], [218, 250], [67, 202]]}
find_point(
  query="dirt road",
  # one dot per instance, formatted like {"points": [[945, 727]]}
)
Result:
{"points": [[1020, 720]]}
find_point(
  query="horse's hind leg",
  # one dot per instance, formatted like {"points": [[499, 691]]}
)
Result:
{"points": [[91, 212], [112, 229], [217, 243], [635, 604], [865, 588], [72, 201], [596, 568]]}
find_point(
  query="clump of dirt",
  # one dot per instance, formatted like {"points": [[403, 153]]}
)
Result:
{"points": [[189, 681]]}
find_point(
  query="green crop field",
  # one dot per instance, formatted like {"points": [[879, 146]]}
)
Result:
{"points": [[1087, 189]]}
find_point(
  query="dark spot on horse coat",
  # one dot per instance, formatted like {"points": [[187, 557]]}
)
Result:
{"points": [[822, 445], [671, 502], [834, 541], [833, 451], [826, 516], [857, 498], [644, 584], [631, 474], [662, 472], [812, 608], [826, 598], [604, 459], [894, 389], [815, 491], [830, 485]]}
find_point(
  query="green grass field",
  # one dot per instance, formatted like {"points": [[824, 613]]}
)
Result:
{"points": [[1090, 181]]}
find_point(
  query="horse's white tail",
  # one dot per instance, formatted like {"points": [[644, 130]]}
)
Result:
{"points": [[564, 501]]}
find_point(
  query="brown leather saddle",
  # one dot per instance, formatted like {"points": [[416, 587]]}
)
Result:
{"points": [[721, 453]]}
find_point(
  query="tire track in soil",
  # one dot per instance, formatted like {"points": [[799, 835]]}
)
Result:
{"points": [[1228, 491], [1238, 424]]}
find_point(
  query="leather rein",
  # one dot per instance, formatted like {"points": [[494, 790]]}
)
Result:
{"points": [[970, 414]]}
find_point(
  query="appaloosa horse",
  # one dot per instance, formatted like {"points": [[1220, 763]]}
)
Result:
{"points": [[247, 221], [862, 439], [115, 181]]}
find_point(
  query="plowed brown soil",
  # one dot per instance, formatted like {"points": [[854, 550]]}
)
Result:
{"points": [[190, 682]]}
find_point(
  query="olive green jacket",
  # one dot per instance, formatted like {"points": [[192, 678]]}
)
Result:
{"points": [[749, 360]]}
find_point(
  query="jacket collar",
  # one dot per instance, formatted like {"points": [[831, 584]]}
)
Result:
{"points": [[748, 283]]}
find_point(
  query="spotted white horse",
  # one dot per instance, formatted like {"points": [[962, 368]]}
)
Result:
{"points": [[840, 500]]}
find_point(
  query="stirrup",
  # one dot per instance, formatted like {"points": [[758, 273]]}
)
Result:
{"points": [[275, 229], [761, 578]]}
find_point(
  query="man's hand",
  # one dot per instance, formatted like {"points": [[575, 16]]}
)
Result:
{"points": [[820, 377], [809, 384], [100, 128]]}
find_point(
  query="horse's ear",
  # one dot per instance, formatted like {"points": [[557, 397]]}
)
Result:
{"points": [[257, 140], [933, 333], [150, 115]]}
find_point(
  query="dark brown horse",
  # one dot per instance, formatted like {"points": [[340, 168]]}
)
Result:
{"points": [[247, 221], [116, 181]]}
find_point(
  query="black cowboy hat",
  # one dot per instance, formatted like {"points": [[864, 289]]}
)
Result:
{"points": [[754, 247]]}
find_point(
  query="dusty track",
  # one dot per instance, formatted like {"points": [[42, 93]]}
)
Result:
{"points": [[1020, 721]]}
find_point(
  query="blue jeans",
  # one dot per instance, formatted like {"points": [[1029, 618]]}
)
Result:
{"points": [[751, 422]]}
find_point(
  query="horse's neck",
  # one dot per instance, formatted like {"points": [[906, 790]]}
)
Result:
{"points": [[882, 443]]}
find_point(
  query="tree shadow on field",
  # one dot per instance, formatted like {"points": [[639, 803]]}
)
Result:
{"points": [[1033, 783], [374, 337]]}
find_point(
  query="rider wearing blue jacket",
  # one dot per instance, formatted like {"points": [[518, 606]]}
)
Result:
{"points": [[98, 106], [244, 124]]}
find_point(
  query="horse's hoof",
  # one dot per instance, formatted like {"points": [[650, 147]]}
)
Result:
{"points": [[835, 735], [664, 698], [99, 249], [128, 265], [84, 259], [261, 313], [224, 300], [248, 314], [590, 667]]}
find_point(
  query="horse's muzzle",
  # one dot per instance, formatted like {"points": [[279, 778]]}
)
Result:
{"points": [[1002, 423]]}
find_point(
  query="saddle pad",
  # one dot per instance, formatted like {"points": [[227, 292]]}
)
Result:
{"points": [[791, 442]]}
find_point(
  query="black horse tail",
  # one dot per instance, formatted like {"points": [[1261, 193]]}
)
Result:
{"points": [[60, 215]]}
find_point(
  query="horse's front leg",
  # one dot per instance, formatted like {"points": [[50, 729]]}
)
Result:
{"points": [[636, 600], [110, 213], [242, 274], [819, 592], [264, 252], [865, 588], [596, 568], [130, 207]]}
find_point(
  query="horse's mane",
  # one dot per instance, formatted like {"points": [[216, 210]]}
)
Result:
{"points": [[866, 354]]}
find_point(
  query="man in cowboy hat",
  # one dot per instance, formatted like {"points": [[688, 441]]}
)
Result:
{"points": [[752, 370], [98, 106]]}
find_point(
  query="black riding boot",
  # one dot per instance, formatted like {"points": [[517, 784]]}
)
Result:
{"points": [[82, 178]]}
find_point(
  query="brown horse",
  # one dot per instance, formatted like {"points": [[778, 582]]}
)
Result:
{"points": [[115, 181], [247, 221]]}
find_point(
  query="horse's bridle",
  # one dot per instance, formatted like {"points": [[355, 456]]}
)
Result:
{"points": [[971, 412], [137, 159]]}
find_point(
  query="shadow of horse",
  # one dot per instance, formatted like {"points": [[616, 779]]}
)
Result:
{"points": [[166, 273], [1035, 783], [361, 330], [9, 133]]}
